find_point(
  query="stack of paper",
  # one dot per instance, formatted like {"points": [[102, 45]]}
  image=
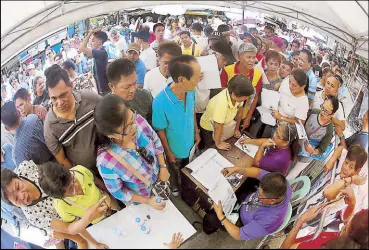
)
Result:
{"points": [[269, 102], [209, 67], [207, 170], [249, 149]]}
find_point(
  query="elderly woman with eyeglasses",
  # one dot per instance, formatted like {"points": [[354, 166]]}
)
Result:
{"points": [[274, 153], [129, 147], [319, 131]]}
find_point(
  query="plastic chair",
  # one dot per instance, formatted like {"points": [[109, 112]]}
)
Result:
{"points": [[281, 227], [297, 195]]}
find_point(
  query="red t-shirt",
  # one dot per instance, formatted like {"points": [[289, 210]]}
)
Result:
{"points": [[323, 238], [152, 37], [224, 77]]}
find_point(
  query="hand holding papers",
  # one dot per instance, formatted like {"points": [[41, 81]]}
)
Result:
{"points": [[269, 102], [209, 67]]}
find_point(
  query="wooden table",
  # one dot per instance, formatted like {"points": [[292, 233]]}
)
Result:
{"points": [[243, 160]]}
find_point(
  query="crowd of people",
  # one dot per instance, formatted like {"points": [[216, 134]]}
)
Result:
{"points": [[108, 117]]}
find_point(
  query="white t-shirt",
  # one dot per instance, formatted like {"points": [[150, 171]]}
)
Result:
{"points": [[121, 44], [318, 100], [201, 41], [155, 82], [148, 57], [291, 106]]}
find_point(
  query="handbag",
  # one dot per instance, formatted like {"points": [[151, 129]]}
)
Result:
{"points": [[159, 188]]}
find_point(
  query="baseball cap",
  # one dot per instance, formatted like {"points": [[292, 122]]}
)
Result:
{"points": [[142, 34], [134, 46], [196, 26], [247, 47], [216, 35], [277, 40], [224, 49]]}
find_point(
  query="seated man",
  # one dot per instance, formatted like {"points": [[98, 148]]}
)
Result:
{"points": [[122, 82], [29, 141], [262, 212], [23, 102]]}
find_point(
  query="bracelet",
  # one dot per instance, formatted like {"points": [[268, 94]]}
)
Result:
{"points": [[163, 166], [223, 220], [243, 171]]}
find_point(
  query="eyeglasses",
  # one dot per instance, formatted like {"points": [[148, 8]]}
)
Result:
{"points": [[129, 127], [324, 110], [144, 154]]}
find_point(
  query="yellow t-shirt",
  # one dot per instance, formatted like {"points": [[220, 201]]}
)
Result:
{"points": [[67, 208], [188, 51], [220, 109]]}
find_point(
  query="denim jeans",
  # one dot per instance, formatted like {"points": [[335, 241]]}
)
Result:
{"points": [[82, 67]]}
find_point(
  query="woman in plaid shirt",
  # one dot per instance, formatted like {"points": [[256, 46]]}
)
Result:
{"points": [[132, 139]]}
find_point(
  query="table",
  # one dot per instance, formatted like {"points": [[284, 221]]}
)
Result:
{"points": [[121, 231], [243, 161]]}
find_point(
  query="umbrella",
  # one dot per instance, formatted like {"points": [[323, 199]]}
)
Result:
{"points": [[175, 10]]}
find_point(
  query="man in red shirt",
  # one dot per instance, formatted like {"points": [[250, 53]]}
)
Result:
{"points": [[245, 67]]}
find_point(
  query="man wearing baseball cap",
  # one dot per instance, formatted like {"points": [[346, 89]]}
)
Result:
{"points": [[245, 67], [215, 36], [147, 55], [133, 54]]}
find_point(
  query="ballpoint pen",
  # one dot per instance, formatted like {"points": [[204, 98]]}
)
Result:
{"points": [[235, 157]]}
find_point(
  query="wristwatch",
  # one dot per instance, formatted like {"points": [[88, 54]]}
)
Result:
{"points": [[341, 137], [163, 166]]}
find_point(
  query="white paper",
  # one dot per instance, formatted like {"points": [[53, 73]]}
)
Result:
{"points": [[270, 99], [202, 159], [223, 192], [121, 231], [301, 131], [192, 153], [209, 67], [266, 116], [208, 176], [249, 149]]}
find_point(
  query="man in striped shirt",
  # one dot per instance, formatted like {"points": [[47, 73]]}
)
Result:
{"points": [[70, 130]]}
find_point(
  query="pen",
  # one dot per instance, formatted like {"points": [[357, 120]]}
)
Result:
{"points": [[235, 157]]}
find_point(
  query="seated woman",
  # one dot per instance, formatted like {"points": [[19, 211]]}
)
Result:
{"points": [[273, 62], [128, 147], [319, 131], [221, 111], [73, 190], [354, 226], [22, 189], [331, 88], [274, 154], [349, 172]]}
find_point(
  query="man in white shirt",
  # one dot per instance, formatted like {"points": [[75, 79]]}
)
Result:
{"points": [[118, 41], [158, 78], [197, 37], [147, 55], [159, 29], [69, 52]]}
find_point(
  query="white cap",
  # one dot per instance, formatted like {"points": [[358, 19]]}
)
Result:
{"points": [[31, 66]]}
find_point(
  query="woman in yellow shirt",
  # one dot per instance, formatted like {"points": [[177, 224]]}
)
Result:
{"points": [[218, 118]]}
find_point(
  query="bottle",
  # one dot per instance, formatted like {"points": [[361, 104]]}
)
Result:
{"points": [[145, 229]]}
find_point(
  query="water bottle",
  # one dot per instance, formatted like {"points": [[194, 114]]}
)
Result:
{"points": [[158, 200], [145, 229]]}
